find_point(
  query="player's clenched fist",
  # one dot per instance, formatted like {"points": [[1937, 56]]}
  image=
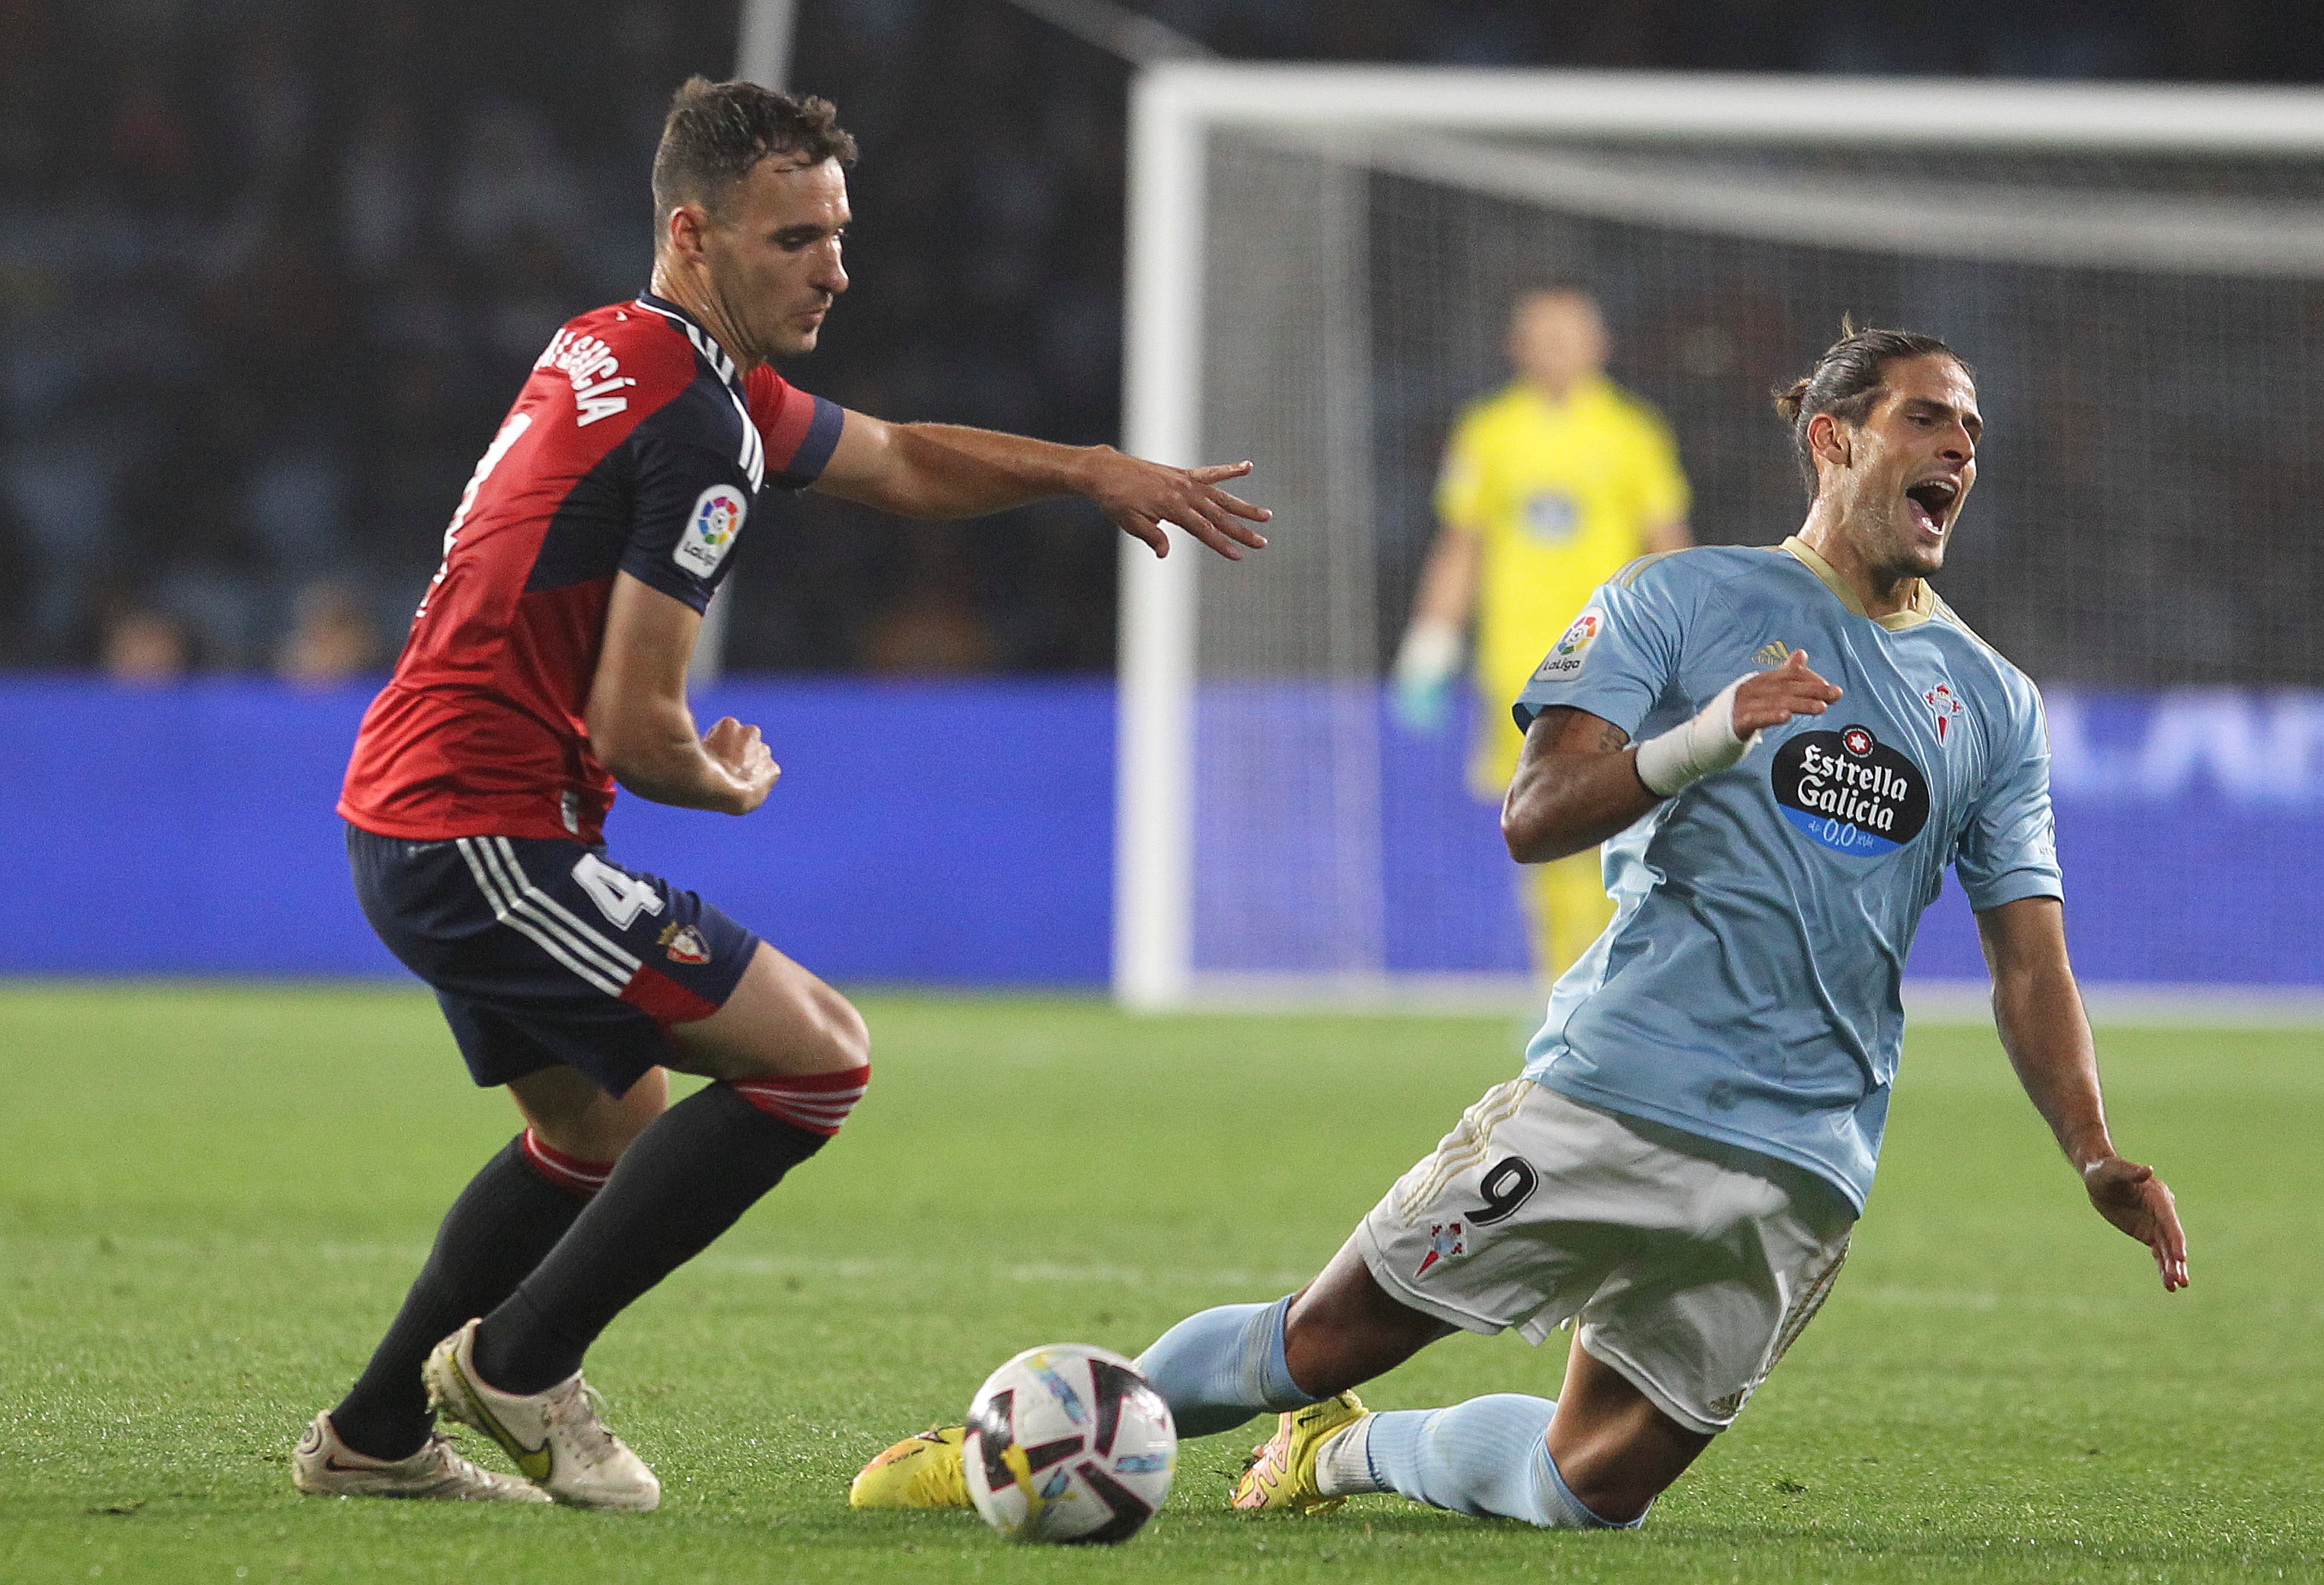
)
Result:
{"points": [[744, 756], [1775, 696]]}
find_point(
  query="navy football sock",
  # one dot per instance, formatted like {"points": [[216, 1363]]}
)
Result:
{"points": [[508, 1217], [684, 1181]]}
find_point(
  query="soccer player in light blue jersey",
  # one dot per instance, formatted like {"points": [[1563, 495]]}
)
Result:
{"points": [[1781, 749]]}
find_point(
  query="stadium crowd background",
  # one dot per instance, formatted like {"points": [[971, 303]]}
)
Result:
{"points": [[271, 273]]}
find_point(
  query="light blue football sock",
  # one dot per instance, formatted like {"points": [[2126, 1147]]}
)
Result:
{"points": [[1219, 1368], [1489, 1456]]}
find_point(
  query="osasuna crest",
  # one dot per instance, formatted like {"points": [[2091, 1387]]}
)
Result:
{"points": [[1940, 699], [1566, 658], [1445, 1241], [710, 529], [684, 943]]}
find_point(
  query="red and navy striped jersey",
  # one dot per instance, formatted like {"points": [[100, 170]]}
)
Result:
{"points": [[634, 447]]}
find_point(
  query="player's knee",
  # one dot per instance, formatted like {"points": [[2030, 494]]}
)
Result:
{"points": [[820, 1032], [805, 1027], [840, 1039]]}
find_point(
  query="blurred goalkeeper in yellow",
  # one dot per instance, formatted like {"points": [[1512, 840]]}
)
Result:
{"points": [[1549, 487]]}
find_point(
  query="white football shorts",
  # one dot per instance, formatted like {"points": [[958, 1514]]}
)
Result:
{"points": [[1691, 1265]]}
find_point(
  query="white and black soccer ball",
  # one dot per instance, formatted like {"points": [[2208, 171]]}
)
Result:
{"points": [[1069, 1443]]}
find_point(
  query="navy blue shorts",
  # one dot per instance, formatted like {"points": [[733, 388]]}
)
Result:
{"points": [[545, 951]]}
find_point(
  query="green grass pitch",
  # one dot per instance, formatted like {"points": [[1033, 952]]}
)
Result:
{"points": [[211, 1197]]}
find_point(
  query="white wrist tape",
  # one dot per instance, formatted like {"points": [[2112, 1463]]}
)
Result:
{"points": [[1693, 748], [1429, 655]]}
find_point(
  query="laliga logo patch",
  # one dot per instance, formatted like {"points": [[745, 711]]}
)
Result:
{"points": [[1566, 658], [1850, 792], [710, 530]]}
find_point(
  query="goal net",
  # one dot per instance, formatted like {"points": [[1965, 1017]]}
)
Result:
{"points": [[1321, 266]]}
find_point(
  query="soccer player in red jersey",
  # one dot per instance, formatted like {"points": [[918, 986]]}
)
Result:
{"points": [[547, 662]]}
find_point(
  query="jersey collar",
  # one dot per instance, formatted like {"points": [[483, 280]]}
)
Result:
{"points": [[703, 342], [1924, 598]]}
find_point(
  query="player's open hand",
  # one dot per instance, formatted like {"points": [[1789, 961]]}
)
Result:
{"points": [[1141, 496], [744, 756], [1775, 696], [2135, 1200]]}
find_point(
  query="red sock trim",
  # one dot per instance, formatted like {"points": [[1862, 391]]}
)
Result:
{"points": [[568, 1173], [817, 1102]]}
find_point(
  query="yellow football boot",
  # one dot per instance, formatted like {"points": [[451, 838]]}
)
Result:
{"points": [[923, 1471], [1280, 1477]]}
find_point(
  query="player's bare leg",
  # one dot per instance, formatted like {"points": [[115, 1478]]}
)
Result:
{"points": [[1615, 1450], [571, 1114], [780, 1022], [1343, 1329]]}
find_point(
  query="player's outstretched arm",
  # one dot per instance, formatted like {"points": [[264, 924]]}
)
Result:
{"points": [[641, 727], [945, 470], [2038, 1009]]}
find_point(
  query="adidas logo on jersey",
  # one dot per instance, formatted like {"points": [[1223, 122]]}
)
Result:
{"points": [[596, 372], [1772, 653]]}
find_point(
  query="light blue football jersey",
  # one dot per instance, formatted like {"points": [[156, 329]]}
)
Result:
{"points": [[1748, 989]]}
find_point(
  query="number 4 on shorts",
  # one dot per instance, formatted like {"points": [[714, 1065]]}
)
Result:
{"points": [[619, 897]]}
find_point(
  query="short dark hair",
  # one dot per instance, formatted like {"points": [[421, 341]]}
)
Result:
{"points": [[717, 132], [1847, 379]]}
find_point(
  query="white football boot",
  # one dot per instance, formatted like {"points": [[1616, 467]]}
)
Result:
{"points": [[321, 1465], [555, 1436]]}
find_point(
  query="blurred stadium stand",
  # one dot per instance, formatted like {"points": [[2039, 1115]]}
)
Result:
{"points": [[271, 273]]}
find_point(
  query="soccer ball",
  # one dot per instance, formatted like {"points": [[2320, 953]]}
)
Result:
{"points": [[1069, 1443]]}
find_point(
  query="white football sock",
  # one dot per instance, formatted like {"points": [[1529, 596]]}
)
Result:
{"points": [[1344, 1465], [1489, 1456]]}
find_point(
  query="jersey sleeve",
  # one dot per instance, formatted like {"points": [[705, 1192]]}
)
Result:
{"points": [[691, 504], [1461, 477], [1617, 656], [799, 430], [2009, 848]]}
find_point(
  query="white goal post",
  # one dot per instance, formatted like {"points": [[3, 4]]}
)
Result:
{"points": [[1738, 159]]}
